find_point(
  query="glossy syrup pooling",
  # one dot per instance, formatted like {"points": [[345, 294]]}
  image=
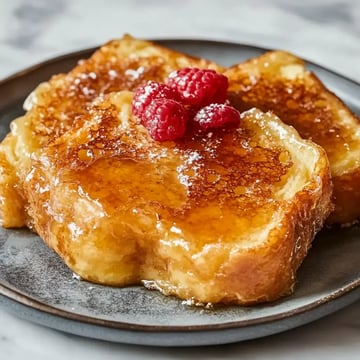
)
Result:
{"points": [[205, 185]]}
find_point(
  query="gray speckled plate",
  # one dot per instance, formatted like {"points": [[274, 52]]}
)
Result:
{"points": [[36, 285]]}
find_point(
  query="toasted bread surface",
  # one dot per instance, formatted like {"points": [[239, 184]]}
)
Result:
{"points": [[225, 217], [279, 81], [52, 108]]}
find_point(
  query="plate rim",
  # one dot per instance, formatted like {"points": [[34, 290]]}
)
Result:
{"points": [[14, 294], [161, 41]]}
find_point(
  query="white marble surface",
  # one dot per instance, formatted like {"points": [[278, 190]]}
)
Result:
{"points": [[327, 32]]}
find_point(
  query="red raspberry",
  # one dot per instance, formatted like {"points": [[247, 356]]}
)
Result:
{"points": [[165, 119], [146, 93], [216, 115], [199, 87]]}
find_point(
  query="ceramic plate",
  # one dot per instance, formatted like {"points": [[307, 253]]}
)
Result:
{"points": [[37, 286]]}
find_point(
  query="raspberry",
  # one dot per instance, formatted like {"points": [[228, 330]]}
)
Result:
{"points": [[165, 119], [216, 115], [145, 94], [199, 87]]}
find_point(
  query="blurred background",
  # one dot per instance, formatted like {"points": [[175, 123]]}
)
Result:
{"points": [[325, 31]]}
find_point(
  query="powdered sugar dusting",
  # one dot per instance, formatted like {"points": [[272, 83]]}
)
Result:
{"points": [[217, 115], [189, 169], [134, 74], [206, 114], [112, 74]]}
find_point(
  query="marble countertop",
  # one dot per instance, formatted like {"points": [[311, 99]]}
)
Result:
{"points": [[325, 31]]}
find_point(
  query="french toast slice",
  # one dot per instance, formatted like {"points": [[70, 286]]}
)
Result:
{"points": [[226, 217], [279, 81], [121, 64]]}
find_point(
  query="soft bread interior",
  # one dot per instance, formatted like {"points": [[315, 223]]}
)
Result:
{"points": [[107, 238]]}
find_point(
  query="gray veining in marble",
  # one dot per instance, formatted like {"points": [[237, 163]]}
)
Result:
{"points": [[327, 32], [324, 31], [30, 20]]}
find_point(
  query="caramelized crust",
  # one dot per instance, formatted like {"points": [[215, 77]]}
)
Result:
{"points": [[278, 81], [226, 217], [222, 218], [55, 105]]}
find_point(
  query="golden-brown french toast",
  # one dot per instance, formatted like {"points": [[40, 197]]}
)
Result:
{"points": [[52, 108], [279, 81], [223, 217]]}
